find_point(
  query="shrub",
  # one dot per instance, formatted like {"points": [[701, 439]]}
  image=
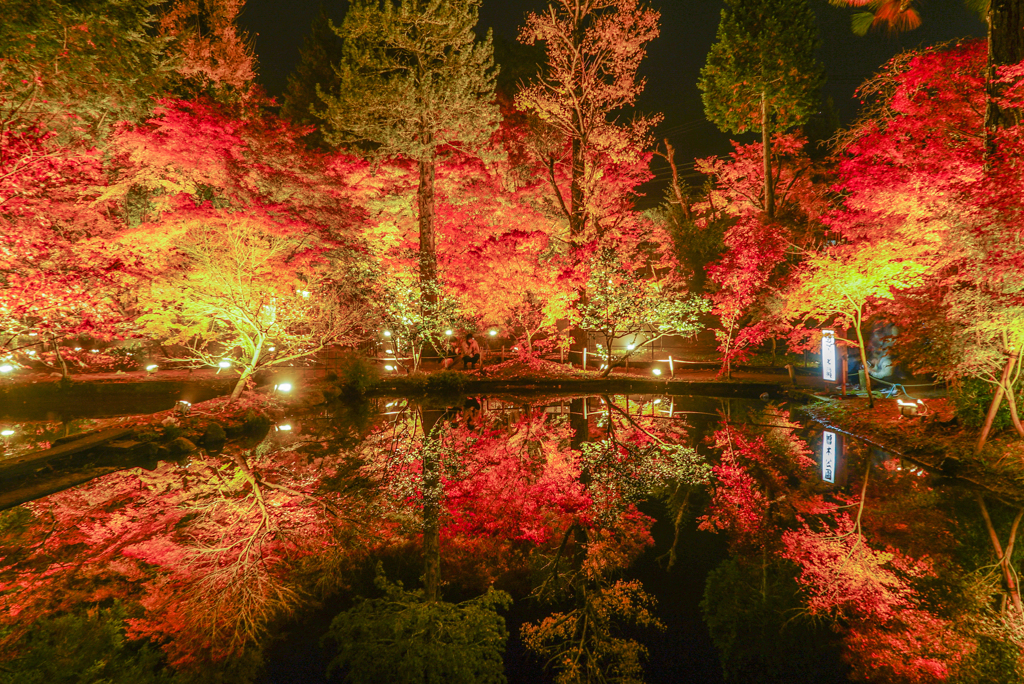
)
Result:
{"points": [[357, 373], [971, 399]]}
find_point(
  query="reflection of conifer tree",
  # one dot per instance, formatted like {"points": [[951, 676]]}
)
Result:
{"points": [[584, 643]]}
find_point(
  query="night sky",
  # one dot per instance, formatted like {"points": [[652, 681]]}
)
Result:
{"points": [[674, 60]]}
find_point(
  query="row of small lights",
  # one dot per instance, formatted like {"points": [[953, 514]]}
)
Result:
{"points": [[448, 333]]}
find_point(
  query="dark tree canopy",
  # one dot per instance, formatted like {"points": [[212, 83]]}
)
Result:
{"points": [[764, 48]]}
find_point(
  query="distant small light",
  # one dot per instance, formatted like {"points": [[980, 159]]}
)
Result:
{"points": [[447, 332], [152, 367], [284, 428], [284, 387], [493, 333], [6, 368], [7, 433], [225, 364], [657, 371], [387, 333]]}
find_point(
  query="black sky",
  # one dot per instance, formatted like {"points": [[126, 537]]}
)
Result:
{"points": [[674, 60]]}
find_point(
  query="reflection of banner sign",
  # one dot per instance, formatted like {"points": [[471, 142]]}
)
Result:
{"points": [[828, 355], [828, 456]]}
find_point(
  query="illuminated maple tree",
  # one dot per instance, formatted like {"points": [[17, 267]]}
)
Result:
{"points": [[593, 50]]}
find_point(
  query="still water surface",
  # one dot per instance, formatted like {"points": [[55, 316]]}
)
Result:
{"points": [[667, 530]]}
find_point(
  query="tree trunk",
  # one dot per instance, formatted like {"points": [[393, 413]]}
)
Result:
{"points": [[1005, 46], [1005, 557], [577, 224], [425, 205], [993, 408], [726, 365], [766, 145], [1011, 399], [240, 385], [864, 362], [432, 495]]}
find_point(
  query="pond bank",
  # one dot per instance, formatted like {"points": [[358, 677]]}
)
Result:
{"points": [[934, 441]]}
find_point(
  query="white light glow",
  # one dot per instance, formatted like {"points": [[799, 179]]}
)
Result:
{"points": [[94, 351], [284, 387], [387, 333], [828, 355], [6, 368], [224, 364], [656, 371], [284, 428], [630, 346], [152, 367], [447, 332], [7, 433], [389, 368], [493, 333]]}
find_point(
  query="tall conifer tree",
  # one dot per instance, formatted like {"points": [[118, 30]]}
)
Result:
{"points": [[761, 74], [413, 80]]}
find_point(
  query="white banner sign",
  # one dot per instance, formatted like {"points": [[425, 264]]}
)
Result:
{"points": [[828, 355], [829, 444]]}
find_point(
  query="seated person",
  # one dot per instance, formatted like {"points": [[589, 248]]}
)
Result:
{"points": [[471, 352], [454, 351]]}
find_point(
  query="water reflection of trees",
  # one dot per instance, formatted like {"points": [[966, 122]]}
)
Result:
{"points": [[188, 568], [889, 571]]}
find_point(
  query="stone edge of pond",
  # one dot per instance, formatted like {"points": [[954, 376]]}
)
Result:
{"points": [[734, 388], [951, 460]]}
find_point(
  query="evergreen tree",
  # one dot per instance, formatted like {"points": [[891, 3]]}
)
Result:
{"points": [[413, 80], [321, 49], [761, 74]]}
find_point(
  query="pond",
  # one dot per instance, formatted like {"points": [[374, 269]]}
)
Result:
{"points": [[668, 538]]}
